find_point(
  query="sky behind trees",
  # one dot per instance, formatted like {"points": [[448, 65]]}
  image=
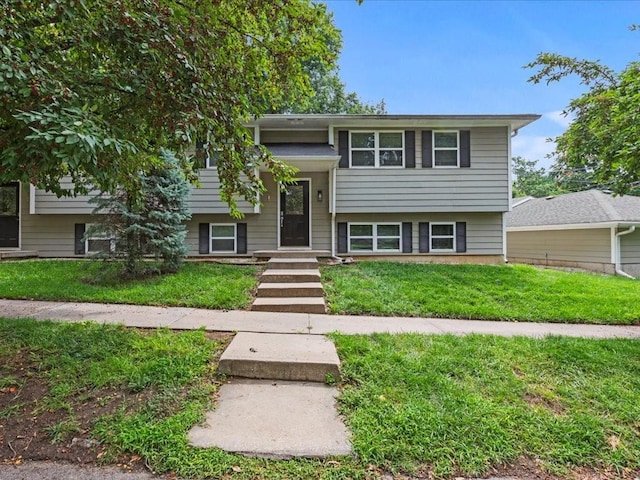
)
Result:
{"points": [[447, 57]]}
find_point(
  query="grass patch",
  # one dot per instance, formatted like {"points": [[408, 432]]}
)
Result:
{"points": [[203, 285], [464, 404], [488, 292], [439, 405]]}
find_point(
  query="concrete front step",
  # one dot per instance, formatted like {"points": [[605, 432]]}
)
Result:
{"points": [[298, 289], [289, 304], [290, 276], [307, 358], [292, 264], [271, 419], [292, 254]]}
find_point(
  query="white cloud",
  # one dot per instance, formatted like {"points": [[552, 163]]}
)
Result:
{"points": [[533, 147], [559, 118]]}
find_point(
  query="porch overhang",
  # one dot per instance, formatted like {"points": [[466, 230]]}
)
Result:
{"points": [[306, 157]]}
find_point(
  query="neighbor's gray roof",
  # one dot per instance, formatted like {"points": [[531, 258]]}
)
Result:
{"points": [[301, 150], [591, 206]]}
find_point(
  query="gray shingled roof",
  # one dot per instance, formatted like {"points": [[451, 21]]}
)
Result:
{"points": [[591, 206], [301, 150]]}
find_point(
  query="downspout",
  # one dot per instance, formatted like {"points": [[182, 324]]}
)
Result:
{"points": [[618, 264], [333, 212]]}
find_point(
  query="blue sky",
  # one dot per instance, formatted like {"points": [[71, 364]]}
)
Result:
{"points": [[445, 57]]}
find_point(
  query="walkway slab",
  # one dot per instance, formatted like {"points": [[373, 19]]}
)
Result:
{"points": [[243, 321], [274, 420], [315, 323], [280, 357]]}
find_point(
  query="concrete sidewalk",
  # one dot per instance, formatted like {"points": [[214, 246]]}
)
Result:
{"points": [[317, 324]]}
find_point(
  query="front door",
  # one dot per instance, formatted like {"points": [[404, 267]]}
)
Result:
{"points": [[294, 215], [9, 215]]}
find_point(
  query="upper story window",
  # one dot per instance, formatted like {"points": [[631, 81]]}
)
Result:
{"points": [[377, 149], [446, 148], [207, 154]]}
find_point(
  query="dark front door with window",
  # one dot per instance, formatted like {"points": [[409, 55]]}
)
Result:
{"points": [[9, 215], [294, 215]]}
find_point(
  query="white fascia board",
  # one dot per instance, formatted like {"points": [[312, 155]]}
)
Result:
{"points": [[32, 199], [572, 226]]}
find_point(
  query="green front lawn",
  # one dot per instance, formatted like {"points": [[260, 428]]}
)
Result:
{"points": [[464, 404], [510, 292], [205, 285], [442, 405]]}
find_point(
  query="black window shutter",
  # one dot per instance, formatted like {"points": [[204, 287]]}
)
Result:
{"points": [[407, 237], [461, 237], [241, 241], [465, 148], [410, 149], [342, 237], [79, 247], [343, 148], [204, 238], [427, 149], [423, 232]]}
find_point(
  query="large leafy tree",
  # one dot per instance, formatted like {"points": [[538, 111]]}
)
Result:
{"points": [[529, 180], [602, 143], [93, 89], [329, 92]]}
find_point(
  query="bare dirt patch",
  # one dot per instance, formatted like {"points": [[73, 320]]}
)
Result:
{"points": [[29, 431]]}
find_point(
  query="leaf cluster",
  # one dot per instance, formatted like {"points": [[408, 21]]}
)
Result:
{"points": [[603, 140], [93, 89]]}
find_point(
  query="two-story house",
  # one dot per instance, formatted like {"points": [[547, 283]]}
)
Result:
{"points": [[430, 187]]}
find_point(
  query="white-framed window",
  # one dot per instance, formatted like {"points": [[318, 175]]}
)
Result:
{"points": [[446, 148], [99, 243], [376, 149], [223, 237], [374, 237], [443, 237]]}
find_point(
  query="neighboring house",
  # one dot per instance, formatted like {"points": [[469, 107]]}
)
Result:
{"points": [[433, 187], [593, 230]]}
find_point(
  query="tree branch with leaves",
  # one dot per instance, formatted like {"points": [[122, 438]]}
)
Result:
{"points": [[603, 138], [94, 89]]}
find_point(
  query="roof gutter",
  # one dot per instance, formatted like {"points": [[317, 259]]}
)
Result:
{"points": [[618, 265]]}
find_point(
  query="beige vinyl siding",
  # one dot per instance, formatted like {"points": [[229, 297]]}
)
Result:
{"points": [[203, 199], [206, 198], [630, 247], [584, 245], [484, 187], [49, 235], [287, 136], [484, 230], [49, 203], [262, 229]]}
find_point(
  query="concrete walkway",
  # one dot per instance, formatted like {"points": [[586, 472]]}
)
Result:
{"points": [[269, 322], [242, 393]]}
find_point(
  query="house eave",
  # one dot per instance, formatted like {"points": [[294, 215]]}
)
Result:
{"points": [[324, 121], [572, 226], [308, 163]]}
